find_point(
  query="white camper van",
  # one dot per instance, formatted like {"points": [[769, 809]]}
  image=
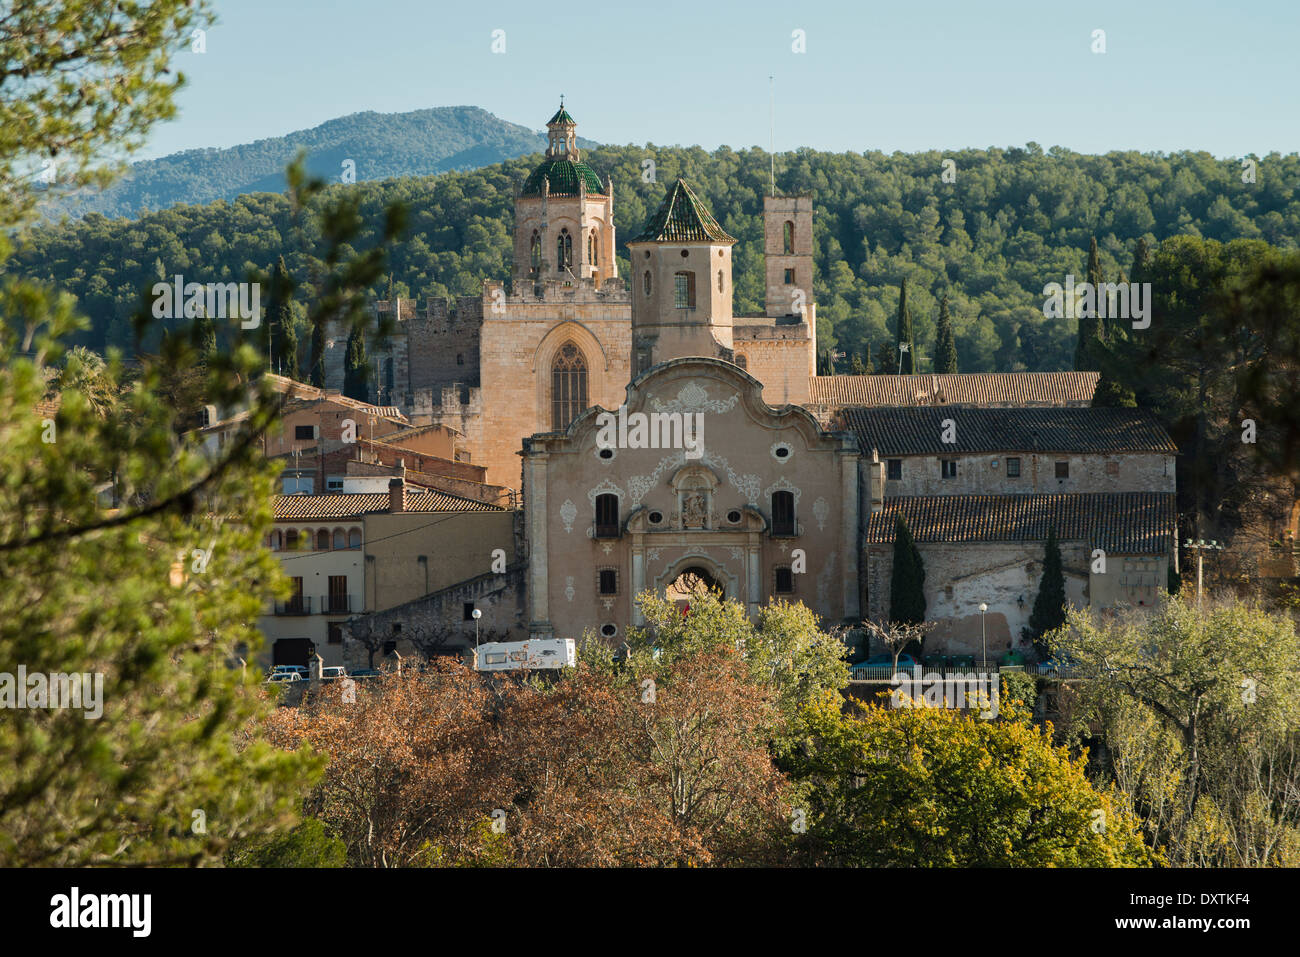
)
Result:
{"points": [[536, 653]]}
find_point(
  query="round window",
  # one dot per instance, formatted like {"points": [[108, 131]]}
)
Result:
{"points": [[606, 454], [656, 517], [609, 630], [734, 516], [685, 253]]}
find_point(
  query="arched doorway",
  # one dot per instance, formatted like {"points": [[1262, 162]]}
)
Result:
{"points": [[692, 583]]}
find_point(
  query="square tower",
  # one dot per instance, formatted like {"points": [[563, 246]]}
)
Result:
{"points": [[788, 254]]}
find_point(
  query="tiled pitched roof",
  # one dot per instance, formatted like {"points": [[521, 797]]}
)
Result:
{"points": [[357, 504], [561, 116], [976, 388], [919, 430], [682, 218], [1123, 523]]}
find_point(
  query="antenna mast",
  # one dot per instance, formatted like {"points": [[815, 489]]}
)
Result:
{"points": [[771, 152]]}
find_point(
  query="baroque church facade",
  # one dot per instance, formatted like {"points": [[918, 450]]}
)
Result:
{"points": [[792, 487]]}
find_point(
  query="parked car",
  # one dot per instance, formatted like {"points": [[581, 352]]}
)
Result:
{"points": [[365, 673], [333, 673], [283, 677], [299, 670], [887, 661]]}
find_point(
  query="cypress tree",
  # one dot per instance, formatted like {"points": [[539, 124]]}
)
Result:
{"points": [[858, 367], [907, 583], [280, 318], [888, 359], [203, 336], [945, 350], [317, 371], [1049, 605], [356, 371], [1091, 330], [866, 359], [904, 333]]}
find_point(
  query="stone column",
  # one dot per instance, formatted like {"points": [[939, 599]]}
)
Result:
{"points": [[638, 578], [754, 574]]}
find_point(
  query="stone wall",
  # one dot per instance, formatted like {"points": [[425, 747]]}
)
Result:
{"points": [[985, 474]]}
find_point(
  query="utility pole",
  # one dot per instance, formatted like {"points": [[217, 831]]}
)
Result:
{"points": [[1201, 546], [771, 152]]}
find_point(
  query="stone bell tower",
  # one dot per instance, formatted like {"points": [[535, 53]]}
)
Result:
{"points": [[564, 216], [680, 284]]}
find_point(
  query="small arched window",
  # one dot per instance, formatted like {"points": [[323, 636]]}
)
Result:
{"points": [[789, 237], [535, 253], [291, 539], [460, 358], [340, 539], [564, 248], [593, 247], [354, 538], [568, 386], [647, 282], [323, 540], [719, 280], [741, 360]]}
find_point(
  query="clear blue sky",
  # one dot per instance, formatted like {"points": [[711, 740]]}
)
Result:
{"points": [[921, 74]]}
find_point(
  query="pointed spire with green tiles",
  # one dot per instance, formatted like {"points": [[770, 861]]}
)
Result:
{"points": [[682, 218]]}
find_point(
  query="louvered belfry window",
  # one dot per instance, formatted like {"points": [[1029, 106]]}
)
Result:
{"points": [[568, 386]]}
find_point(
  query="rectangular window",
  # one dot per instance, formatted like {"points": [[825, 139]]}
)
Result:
{"points": [[949, 468], [607, 525], [338, 597], [334, 485], [1112, 468], [335, 633], [307, 432], [784, 580], [894, 470], [783, 513], [1013, 468], [468, 610], [789, 277], [608, 581], [1062, 470], [684, 290]]}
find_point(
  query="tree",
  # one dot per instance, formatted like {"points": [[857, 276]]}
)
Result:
{"points": [[905, 346], [203, 335], [898, 636], [945, 350], [317, 374], [888, 359], [1049, 604], [89, 81], [1091, 331], [1110, 394], [937, 787], [1198, 708], [356, 370], [867, 367], [857, 368], [907, 582], [279, 317]]}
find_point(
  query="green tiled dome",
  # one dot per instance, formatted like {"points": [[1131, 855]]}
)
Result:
{"points": [[564, 176]]}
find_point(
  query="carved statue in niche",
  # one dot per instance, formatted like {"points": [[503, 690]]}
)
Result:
{"points": [[695, 510]]}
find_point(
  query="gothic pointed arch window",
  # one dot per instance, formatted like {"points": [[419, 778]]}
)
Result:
{"points": [[535, 253], [789, 237], [564, 249], [568, 386], [593, 249]]}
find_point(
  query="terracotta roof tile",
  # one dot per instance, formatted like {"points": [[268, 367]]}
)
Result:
{"points": [[919, 430], [976, 388], [1122, 523], [357, 504]]}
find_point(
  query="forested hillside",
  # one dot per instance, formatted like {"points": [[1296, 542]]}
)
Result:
{"points": [[1012, 221], [379, 146]]}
